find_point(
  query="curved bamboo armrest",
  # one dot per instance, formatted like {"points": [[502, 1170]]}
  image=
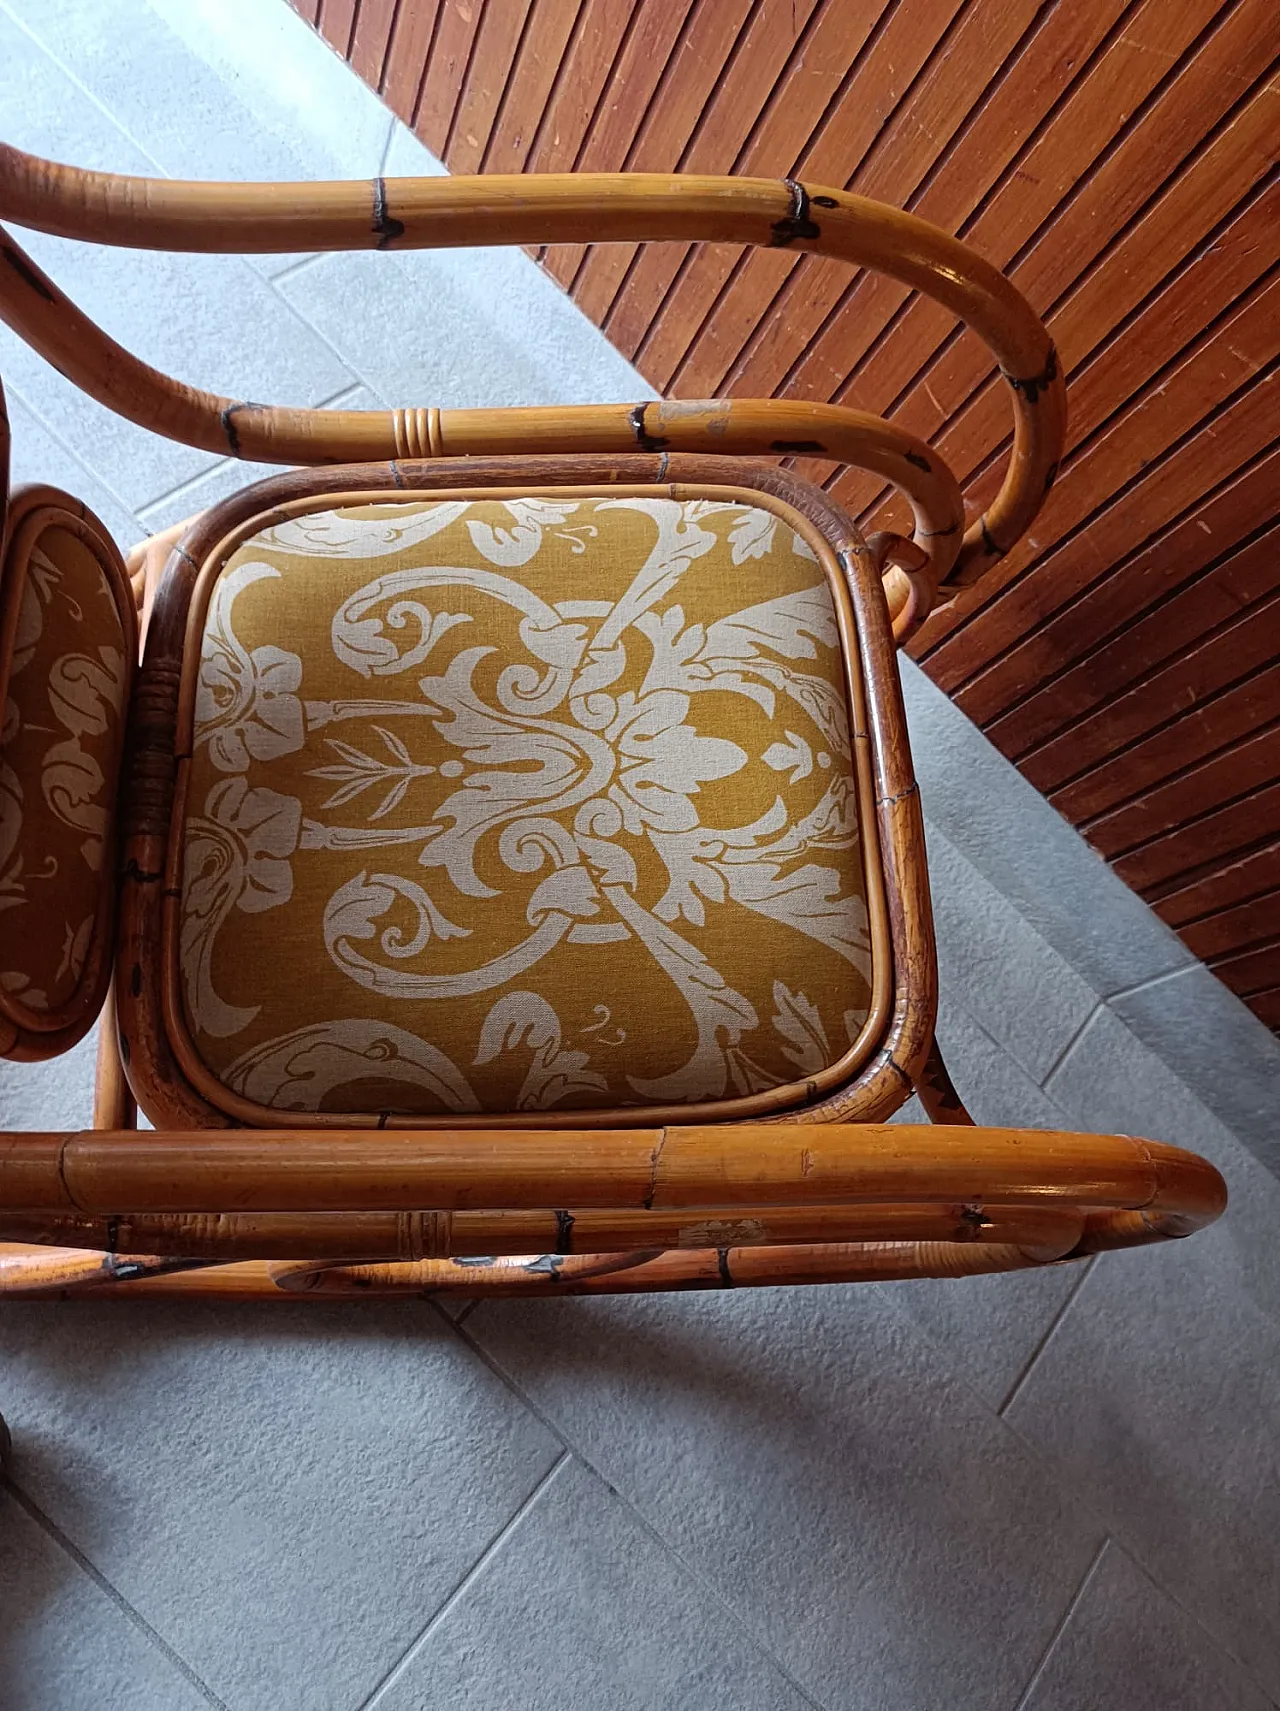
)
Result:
{"points": [[651, 1208], [585, 208]]}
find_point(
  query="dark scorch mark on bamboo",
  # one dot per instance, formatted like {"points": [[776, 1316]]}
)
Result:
{"points": [[799, 223], [387, 228], [645, 440], [1031, 389]]}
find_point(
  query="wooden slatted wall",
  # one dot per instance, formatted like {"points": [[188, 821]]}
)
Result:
{"points": [[1118, 159]]}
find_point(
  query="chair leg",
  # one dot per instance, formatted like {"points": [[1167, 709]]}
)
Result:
{"points": [[145, 564], [114, 1106], [937, 1092]]}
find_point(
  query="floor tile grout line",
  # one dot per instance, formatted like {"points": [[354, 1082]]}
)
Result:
{"points": [[136, 512], [357, 377], [185, 486], [1064, 1307], [397, 1669], [1106, 1525], [93, 100], [331, 403], [1119, 1543], [385, 156], [1115, 1529], [640, 1519], [1073, 1604], [56, 1535], [157, 166], [1070, 1045], [360, 379], [1153, 980], [16, 391], [294, 268], [950, 1000]]}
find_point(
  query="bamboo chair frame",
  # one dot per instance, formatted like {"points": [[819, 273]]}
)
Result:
{"points": [[826, 1193]]}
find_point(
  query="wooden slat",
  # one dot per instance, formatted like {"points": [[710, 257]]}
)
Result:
{"points": [[1195, 668], [533, 82], [335, 21], [599, 41], [1185, 738], [710, 34], [642, 58], [1057, 51], [1109, 347], [371, 38], [1266, 1007], [960, 407], [457, 27], [1125, 486], [1195, 792], [775, 38], [1234, 929], [1111, 198], [912, 34], [1136, 55], [1190, 898], [497, 41], [812, 80], [1103, 636], [1251, 971], [408, 55], [1002, 574], [1230, 830]]}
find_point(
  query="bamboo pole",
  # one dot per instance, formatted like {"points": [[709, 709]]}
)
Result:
{"points": [[733, 1165], [72, 1276], [1046, 1231], [446, 212], [114, 1106]]}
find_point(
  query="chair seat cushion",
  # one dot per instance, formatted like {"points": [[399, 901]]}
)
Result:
{"points": [[521, 804]]}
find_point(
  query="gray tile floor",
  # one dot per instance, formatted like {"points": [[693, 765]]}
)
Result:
{"points": [[1013, 1494]]}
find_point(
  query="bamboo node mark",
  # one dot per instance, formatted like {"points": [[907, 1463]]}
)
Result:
{"points": [[796, 224], [387, 228], [1038, 383], [645, 440]]}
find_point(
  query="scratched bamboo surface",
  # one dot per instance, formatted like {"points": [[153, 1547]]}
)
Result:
{"points": [[1117, 158]]}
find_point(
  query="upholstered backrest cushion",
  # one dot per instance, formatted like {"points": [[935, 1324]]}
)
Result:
{"points": [[536, 803], [68, 640]]}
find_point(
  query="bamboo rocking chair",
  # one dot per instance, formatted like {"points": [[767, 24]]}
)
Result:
{"points": [[502, 871]]}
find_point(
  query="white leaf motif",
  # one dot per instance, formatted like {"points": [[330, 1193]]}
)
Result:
{"points": [[525, 1020], [517, 545], [798, 1021], [794, 756], [343, 534], [752, 535], [246, 706], [298, 1070]]}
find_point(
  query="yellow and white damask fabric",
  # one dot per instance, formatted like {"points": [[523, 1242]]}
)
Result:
{"points": [[525, 805], [59, 758]]}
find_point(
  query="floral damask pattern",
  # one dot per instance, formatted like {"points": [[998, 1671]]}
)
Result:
{"points": [[521, 805], [59, 755]]}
